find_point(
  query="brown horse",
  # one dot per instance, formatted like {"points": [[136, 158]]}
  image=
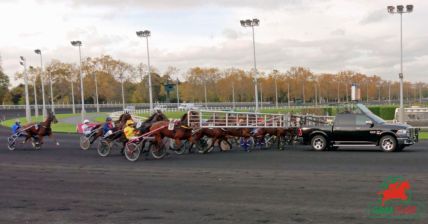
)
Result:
{"points": [[179, 132], [282, 134], [222, 134], [39, 131], [217, 134]]}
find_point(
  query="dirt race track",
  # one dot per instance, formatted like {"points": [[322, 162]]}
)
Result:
{"points": [[67, 185]]}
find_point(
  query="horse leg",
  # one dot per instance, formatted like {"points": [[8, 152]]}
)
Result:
{"points": [[26, 138], [191, 139], [40, 139], [227, 141], [51, 136], [177, 143]]}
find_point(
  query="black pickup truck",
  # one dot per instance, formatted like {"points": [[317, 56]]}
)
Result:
{"points": [[359, 128]]}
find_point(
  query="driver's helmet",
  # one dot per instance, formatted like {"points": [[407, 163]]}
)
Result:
{"points": [[86, 121], [108, 119], [17, 121]]}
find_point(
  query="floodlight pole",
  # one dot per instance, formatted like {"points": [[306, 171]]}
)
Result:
{"points": [[72, 97], [261, 95], [96, 92], [42, 79], [146, 34], [36, 107], [178, 95], [27, 100], [288, 94], [79, 44], [52, 98], [233, 95], [252, 23], [276, 94], [400, 10], [205, 93]]}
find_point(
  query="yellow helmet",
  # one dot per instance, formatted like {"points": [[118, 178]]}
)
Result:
{"points": [[129, 122]]}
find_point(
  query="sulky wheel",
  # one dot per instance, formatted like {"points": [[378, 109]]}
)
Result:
{"points": [[159, 150], [132, 151], [269, 141], [179, 150], [225, 145], [202, 145], [104, 148], [84, 142], [11, 143], [36, 144]]}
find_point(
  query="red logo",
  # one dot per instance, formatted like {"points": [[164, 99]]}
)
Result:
{"points": [[395, 190]]}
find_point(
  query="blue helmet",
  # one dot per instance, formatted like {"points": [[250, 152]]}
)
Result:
{"points": [[108, 119]]}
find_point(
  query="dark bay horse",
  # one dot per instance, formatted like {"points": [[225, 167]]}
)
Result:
{"points": [[221, 134], [286, 134], [39, 131], [217, 134], [179, 132]]}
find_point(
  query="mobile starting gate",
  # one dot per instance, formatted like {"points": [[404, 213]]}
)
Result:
{"points": [[228, 119]]}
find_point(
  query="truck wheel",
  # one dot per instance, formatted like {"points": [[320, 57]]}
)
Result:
{"points": [[388, 143], [319, 143]]}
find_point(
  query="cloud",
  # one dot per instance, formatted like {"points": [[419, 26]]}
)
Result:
{"points": [[230, 34], [374, 17], [173, 4], [338, 32]]}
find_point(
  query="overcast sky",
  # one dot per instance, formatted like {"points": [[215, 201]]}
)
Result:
{"points": [[323, 35]]}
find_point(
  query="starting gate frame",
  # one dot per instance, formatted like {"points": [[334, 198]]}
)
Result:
{"points": [[229, 119]]}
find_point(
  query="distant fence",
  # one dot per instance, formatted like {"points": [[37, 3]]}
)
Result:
{"points": [[175, 105]]}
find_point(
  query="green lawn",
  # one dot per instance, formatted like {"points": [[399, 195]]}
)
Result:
{"points": [[58, 127], [423, 135]]}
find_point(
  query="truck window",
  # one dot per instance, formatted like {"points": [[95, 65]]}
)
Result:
{"points": [[345, 120], [361, 119]]}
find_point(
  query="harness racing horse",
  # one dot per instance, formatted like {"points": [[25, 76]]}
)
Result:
{"points": [[39, 131], [217, 134], [179, 131], [279, 133]]}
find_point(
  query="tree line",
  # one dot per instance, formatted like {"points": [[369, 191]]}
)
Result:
{"points": [[297, 84]]}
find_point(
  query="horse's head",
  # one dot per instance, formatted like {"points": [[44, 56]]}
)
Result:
{"points": [[51, 117], [124, 117], [183, 118], [160, 116]]}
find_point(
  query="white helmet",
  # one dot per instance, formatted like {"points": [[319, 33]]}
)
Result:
{"points": [[86, 121]]}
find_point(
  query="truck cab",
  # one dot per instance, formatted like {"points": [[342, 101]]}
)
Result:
{"points": [[360, 128]]}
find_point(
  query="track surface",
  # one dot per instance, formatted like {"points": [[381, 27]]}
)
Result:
{"points": [[67, 185]]}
